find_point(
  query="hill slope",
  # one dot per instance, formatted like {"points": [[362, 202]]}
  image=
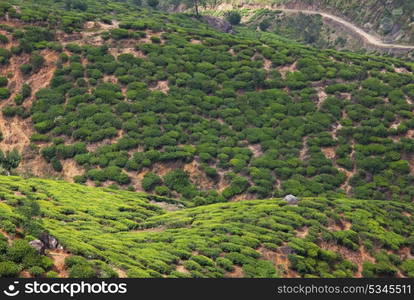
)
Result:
{"points": [[163, 103], [104, 232], [389, 20]]}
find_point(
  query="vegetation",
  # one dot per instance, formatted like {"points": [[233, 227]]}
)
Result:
{"points": [[208, 122], [106, 231]]}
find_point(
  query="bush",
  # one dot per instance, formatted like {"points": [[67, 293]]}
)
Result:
{"points": [[225, 263], [203, 260], [82, 271], [56, 164], [3, 39], [51, 274], [162, 190], [264, 25], [75, 260], [177, 180], [9, 269], [150, 181], [3, 81], [153, 3], [19, 250], [233, 17], [155, 40], [4, 93], [36, 271]]}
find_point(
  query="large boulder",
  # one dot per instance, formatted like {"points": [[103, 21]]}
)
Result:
{"points": [[291, 200], [219, 24], [49, 241], [38, 245]]}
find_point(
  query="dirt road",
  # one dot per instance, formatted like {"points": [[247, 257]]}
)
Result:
{"points": [[367, 36]]}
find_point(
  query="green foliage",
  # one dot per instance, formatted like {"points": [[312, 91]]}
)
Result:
{"points": [[153, 3], [4, 93], [3, 81], [233, 17], [10, 160], [9, 269], [150, 181], [127, 231]]}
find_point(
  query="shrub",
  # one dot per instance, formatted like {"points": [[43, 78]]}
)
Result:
{"points": [[36, 271], [150, 181], [225, 263], [4, 93], [153, 3], [192, 265], [203, 260], [51, 274], [3, 39], [177, 180], [9, 269], [56, 164], [75, 260], [3, 81], [162, 190], [155, 40], [233, 17], [264, 25], [408, 267], [82, 271]]}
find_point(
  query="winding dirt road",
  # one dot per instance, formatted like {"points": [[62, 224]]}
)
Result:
{"points": [[369, 38]]}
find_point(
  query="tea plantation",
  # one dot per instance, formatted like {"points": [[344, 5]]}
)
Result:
{"points": [[203, 115], [124, 99], [110, 233]]}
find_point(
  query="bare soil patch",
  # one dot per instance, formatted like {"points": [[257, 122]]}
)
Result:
{"points": [[287, 69], [58, 257], [329, 152], [161, 86], [280, 260], [302, 232], [356, 257], [236, 273]]}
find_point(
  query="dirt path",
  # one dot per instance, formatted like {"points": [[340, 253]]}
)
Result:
{"points": [[369, 38], [365, 35], [58, 257]]}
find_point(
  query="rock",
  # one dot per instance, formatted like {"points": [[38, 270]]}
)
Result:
{"points": [[291, 200], [38, 245], [49, 241], [219, 24]]}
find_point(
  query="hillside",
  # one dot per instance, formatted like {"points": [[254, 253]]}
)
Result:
{"points": [[110, 233], [135, 142], [177, 108], [322, 30], [392, 20]]}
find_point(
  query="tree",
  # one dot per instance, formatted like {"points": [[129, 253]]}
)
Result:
{"points": [[79, 4], [233, 17], [57, 166], [177, 180], [196, 4], [153, 3], [10, 160], [264, 25], [36, 61]]}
